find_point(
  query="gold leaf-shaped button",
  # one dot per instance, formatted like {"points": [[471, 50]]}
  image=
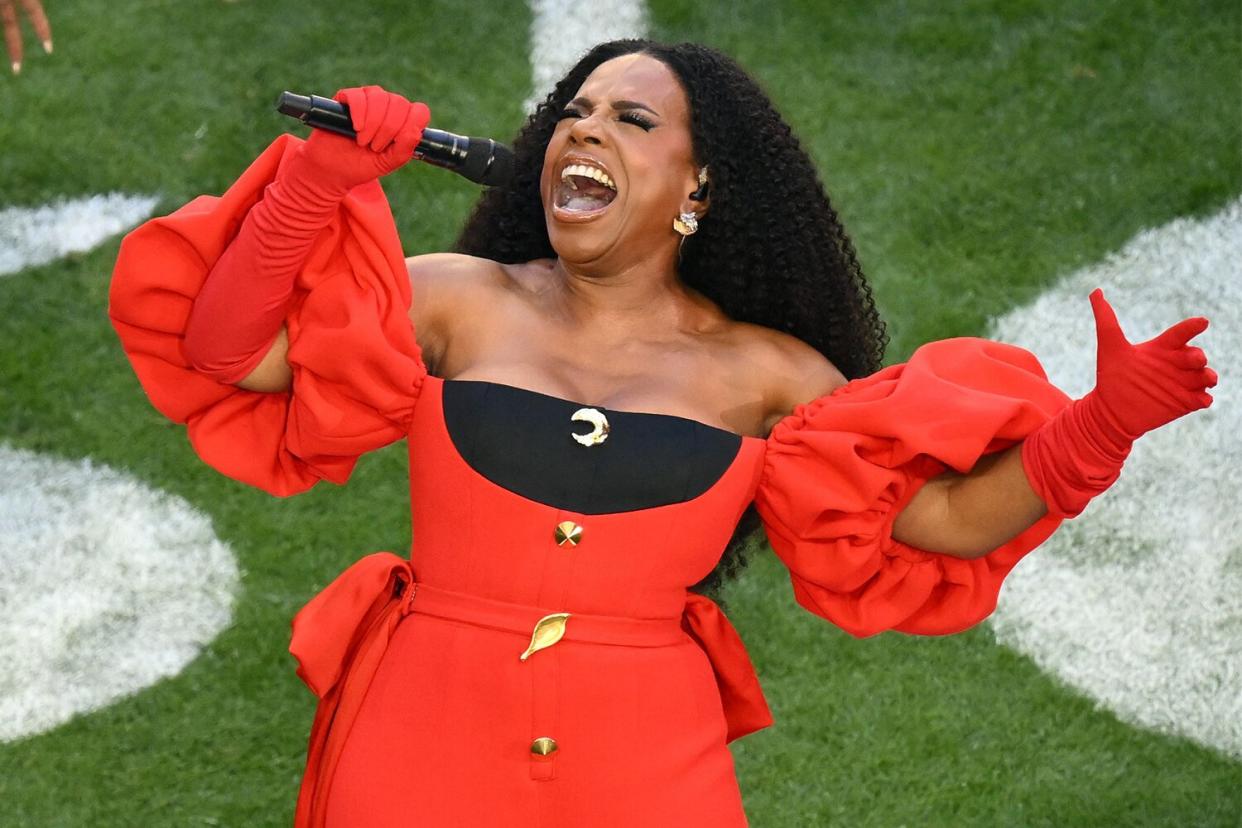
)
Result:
{"points": [[548, 631], [543, 745], [599, 433], [568, 532]]}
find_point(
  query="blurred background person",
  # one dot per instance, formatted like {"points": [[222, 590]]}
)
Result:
{"points": [[12, 29]]}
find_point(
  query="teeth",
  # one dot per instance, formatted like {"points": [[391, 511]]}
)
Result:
{"points": [[588, 172]]}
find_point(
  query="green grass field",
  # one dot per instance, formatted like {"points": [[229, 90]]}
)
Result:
{"points": [[976, 151]]}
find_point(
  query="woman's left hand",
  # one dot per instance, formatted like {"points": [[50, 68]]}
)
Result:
{"points": [[13, 32], [1075, 455], [1141, 387]]}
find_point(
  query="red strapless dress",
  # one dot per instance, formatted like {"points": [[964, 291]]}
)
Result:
{"points": [[528, 664]]}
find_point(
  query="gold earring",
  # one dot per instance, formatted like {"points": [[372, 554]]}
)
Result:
{"points": [[687, 223]]}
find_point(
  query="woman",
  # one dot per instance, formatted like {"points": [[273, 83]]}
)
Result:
{"points": [[653, 333]]}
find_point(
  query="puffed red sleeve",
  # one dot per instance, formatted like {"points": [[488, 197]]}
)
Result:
{"points": [[357, 368], [839, 469]]}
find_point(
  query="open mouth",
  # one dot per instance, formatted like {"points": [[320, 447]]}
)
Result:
{"points": [[584, 190]]}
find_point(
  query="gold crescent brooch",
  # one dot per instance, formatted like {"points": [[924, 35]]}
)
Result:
{"points": [[599, 432]]}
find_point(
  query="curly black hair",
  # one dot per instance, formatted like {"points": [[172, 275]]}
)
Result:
{"points": [[771, 251]]}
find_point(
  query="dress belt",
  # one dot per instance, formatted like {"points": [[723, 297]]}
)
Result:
{"points": [[542, 625], [339, 638]]}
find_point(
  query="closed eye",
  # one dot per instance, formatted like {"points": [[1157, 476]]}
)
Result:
{"points": [[637, 120], [627, 116]]}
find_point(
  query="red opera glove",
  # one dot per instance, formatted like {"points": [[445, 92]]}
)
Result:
{"points": [[242, 304], [1079, 453]]}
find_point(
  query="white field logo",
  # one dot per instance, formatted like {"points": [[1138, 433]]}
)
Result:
{"points": [[1138, 601], [109, 585]]}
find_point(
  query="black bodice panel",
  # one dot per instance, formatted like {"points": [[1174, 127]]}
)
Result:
{"points": [[523, 441]]}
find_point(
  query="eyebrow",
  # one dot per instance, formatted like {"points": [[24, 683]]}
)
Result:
{"points": [[617, 105]]}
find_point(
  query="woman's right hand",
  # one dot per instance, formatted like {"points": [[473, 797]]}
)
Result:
{"points": [[242, 304], [388, 128]]}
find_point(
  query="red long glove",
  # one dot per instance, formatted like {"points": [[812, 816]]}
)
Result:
{"points": [[1079, 453], [242, 304]]}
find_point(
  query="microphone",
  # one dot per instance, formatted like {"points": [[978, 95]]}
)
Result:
{"points": [[481, 160]]}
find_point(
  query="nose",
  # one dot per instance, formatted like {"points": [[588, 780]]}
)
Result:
{"points": [[586, 130]]}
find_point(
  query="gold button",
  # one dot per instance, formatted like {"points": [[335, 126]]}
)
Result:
{"points": [[568, 532], [543, 745], [596, 418]]}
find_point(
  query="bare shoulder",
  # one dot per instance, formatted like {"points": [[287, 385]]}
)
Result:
{"points": [[437, 276], [446, 287], [438, 271], [789, 371]]}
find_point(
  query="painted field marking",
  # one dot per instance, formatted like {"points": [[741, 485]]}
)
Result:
{"points": [[31, 236], [562, 31], [1137, 603], [109, 586]]}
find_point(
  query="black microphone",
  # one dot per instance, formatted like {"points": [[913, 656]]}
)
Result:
{"points": [[481, 160]]}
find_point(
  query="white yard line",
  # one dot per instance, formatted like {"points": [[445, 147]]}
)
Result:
{"points": [[108, 587], [1138, 602], [562, 31], [31, 236]]}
